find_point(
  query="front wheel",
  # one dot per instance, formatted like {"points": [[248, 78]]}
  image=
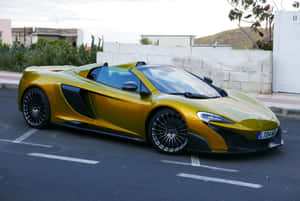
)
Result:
{"points": [[167, 131], [36, 108]]}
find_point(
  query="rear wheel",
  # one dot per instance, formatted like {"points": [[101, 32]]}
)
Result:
{"points": [[36, 108], [167, 131]]}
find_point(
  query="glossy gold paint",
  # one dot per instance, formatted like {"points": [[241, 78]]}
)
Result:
{"points": [[126, 113]]}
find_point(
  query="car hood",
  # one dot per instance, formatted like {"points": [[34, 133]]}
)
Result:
{"points": [[247, 112]]}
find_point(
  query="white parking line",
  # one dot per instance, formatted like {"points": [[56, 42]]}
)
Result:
{"points": [[25, 135], [175, 162], [26, 143], [201, 166], [195, 161], [64, 158], [220, 180]]}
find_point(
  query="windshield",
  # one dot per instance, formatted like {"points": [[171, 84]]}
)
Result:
{"points": [[173, 80]]}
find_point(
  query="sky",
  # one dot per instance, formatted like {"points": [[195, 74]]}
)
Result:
{"points": [[124, 20]]}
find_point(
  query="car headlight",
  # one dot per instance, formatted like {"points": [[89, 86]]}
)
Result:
{"points": [[207, 117]]}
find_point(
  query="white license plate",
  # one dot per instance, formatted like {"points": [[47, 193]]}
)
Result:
{"points": [[267, 134]]}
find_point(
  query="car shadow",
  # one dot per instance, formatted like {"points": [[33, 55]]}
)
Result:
{"points": [[143, 145], [261, 155]]}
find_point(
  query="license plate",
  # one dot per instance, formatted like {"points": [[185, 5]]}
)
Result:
{"points": [[267, 134]]}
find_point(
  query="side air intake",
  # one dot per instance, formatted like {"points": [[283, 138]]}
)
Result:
{"points": [[76, 98]]}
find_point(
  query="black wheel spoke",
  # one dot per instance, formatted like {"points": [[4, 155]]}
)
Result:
{"points": [[169, 132], [35, 108], [160, 126]]}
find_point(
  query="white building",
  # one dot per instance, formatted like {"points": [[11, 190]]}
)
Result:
{"points": [[30, 35], [5, 31], [171, 40]]}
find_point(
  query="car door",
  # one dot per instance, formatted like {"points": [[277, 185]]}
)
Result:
{"points": [[123, 112]]}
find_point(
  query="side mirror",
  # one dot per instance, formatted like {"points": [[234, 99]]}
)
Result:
{"points": [[208, 80], [130, 86]]}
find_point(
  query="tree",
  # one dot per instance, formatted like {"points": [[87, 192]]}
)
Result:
{"points": [[257, 13], [145, 41]]}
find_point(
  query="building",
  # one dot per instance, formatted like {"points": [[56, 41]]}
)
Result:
{"points": [[30, 35], [5, 31], [171, 40]]}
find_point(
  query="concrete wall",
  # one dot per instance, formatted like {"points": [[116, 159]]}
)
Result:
{"points": [[5, 29], [246, 70]]}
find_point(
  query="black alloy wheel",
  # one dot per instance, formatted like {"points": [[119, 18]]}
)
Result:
{"points": [[168, 131], [36, 108]]}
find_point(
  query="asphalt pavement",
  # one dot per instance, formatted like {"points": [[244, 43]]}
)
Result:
{"points": [[62, 164]]}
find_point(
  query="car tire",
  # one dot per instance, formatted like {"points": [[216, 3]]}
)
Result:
{"points": [[167, 131], [36, 108]]}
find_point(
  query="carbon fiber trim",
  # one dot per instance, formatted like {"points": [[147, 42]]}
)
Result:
{"points": [[86, 127], [237, 142], [75, 97], [197, 143]]}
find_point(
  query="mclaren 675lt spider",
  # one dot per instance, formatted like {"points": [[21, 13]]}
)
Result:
{"points": [[169, 107]]}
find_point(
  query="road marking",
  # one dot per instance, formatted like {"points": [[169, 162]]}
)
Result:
{"points": [[220, 180], [195, 161], [25, 136], [201, 166], [26, 143], [64, 158], [175, 162]]}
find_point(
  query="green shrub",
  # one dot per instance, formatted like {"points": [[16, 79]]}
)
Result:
{"points": [[145, 41], [58, 52]]}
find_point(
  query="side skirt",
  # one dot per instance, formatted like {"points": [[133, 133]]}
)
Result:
{"points": [[83, 127]]}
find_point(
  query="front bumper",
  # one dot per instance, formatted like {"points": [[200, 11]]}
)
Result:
{"points": [[238, 143]]}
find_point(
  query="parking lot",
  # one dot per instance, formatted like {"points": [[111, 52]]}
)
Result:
{"points": [[62, 164]]}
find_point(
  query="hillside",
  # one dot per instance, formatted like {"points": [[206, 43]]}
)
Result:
{"points": [[234, 37]]}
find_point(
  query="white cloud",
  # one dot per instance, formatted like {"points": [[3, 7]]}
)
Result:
{"points": [[122, 20]]}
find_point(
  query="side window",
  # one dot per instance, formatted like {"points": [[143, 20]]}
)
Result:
{"points": [[116, 77]]}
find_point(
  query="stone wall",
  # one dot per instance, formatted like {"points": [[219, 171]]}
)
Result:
{"points": [[247, 70]]}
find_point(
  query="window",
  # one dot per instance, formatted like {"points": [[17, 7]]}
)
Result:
{"points": [[0, 35], [114, 76], [170, 80]]}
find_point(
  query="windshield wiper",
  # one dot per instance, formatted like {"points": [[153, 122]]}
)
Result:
{"points": [[192, 95]]}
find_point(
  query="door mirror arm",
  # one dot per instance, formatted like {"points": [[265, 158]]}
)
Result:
{"points": [[144, 94], [130, 86]]}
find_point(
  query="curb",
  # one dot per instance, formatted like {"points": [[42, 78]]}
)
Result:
{"points": [[8, 86], [286, 112]]}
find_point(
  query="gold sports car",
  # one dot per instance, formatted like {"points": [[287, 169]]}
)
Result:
{"points": [[169, 107]]}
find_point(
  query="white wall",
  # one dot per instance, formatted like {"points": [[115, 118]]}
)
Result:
{"points": [[245, 70]]}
